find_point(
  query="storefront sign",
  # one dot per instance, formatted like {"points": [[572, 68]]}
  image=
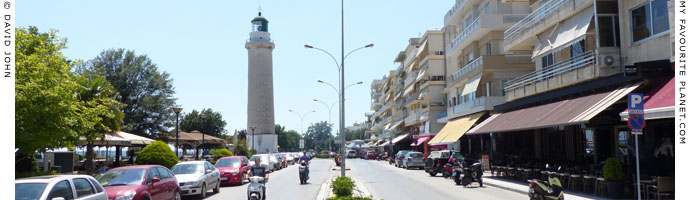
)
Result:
{"points": [[485, 162]]}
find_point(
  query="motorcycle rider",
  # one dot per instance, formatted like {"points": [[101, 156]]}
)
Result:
{"points": [[259, 170], [451, 160], [306, 159]]}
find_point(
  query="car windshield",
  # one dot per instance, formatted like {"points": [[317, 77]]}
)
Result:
{"points": [[122, 177], [28, 191], [188, 169], [233, 162]]}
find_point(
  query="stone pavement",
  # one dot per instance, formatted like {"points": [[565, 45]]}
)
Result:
{"points": [[523, 188]]}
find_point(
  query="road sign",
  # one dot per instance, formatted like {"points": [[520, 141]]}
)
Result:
{"points": [[636, 103], [636, 123], [301, 143]]}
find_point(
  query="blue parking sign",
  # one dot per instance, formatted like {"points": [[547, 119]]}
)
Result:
{"points": [[635, 103]]}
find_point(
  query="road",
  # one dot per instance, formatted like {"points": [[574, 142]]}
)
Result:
{"points": [[283, 184], [382, 180], [385, 181]]}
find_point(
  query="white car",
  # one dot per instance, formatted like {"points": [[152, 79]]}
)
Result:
{"points": [[197, 177], [264, 161], [62, 187]]}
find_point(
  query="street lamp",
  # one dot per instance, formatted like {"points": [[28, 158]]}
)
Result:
{"points": [[341, 68], [301, 119], [328, 107], [203, 139], [177, 129], [253, 127]]}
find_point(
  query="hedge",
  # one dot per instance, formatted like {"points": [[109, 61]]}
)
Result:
{"points": [[323, 155], [157, 153], [218, 153]]}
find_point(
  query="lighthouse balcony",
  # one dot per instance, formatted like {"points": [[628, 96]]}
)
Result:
{"points": [[259, 39]]}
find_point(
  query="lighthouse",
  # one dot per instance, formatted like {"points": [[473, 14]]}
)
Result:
{"points": [[261, 134]]}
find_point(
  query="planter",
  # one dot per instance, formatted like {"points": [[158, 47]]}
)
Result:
{"points": [[614, 189]]}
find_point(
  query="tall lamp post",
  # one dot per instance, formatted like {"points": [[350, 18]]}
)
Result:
{"points": [[177, 129], [203, 139], [341, 68], [327, 107], [253, 127], [301, 119]]}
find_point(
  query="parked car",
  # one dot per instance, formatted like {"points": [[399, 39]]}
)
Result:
{"points": [[233, 169], [264, 161], [372, 155], [283, 160], [435, 162], [399, 157], [290, 159], [413, 159], [140, 182], [197, 177], [274, 160], [59, 186], [351, 154]]}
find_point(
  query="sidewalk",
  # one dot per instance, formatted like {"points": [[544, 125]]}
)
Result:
{"points": [[523, 188]]}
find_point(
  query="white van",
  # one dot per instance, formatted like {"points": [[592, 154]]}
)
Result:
{"points": [[351, 153]]}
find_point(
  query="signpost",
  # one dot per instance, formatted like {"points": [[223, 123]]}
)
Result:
{"points": [[301, 143], [636, 123]]}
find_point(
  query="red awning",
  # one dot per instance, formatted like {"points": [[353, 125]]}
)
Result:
{"points": [[658, 104], [421, 140]]}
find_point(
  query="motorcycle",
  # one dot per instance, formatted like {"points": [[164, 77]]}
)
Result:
{"points": [[303, 176], [448, 169], [255, 190], [466, 173], [552, 189]]}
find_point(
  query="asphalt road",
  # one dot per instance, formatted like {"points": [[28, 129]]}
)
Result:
{"points": [[283, 184], [385, 181]]}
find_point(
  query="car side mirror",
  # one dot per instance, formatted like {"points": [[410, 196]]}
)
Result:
{"points": [[208, 171], [155, 180], [58, 198]]}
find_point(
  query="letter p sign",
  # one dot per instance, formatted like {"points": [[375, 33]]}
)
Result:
{"points": [[635, 103]]}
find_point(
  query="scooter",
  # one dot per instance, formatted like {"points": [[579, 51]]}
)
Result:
{"points": [[448, 170], [303, 176], [465, 175], [255, 190], [553, 189]]}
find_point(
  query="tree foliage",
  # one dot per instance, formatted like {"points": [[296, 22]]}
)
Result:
{"points": [[144, 90], [355, 135], [213, 124], [287, 140], [157, 153], [241, 149], [317, 135], [219, 153]]}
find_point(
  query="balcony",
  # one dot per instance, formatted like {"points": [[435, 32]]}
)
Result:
{"points": [[558, 75], [453, 10], [476, 63], [411, 78], [476, 105], [412, 118], [479, 28], [522, 35]]}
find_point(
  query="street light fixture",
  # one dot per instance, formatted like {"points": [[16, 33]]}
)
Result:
{"points": [[328, 107], [177, 129], [253, 127], [203, 139], [301, 118]]}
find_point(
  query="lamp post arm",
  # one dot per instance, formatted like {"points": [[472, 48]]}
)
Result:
{"points": [[354, 51], [329, 54], [335, 89]]}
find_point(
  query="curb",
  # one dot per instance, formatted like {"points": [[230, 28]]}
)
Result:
{"points": [[505, 188], [324, 192], [363, 192]]}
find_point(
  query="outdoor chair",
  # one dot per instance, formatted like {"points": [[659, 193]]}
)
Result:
{"points": [[663, 187]]}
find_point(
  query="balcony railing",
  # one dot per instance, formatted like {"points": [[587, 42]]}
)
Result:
{"points": [[537, 15], [470, 104], [453, 10], [465, 33], [437, 78], [469, 67], [442, 115], [565, 66], [411, 98]]}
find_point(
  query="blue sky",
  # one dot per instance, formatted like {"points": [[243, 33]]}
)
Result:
{"points": [[202, 46]]}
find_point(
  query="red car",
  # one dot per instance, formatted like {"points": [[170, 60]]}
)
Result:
{"points": [[140, 182], [232, 169], [371, 155]]}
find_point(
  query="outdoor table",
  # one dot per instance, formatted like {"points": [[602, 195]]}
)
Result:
{"points": [[589, 181], [644, 185]]}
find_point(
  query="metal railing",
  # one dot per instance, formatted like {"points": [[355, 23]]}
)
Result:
{"points": [[571, 64], [537, 15], [469, 67], [259, 39], [442, 115], [453, 10], [411, 78], [470, 104], [466, 33], [437, 78]]}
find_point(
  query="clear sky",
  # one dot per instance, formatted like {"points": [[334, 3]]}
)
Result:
{"points": [[201, 44]]}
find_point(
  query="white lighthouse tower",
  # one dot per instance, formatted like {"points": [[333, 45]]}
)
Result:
{"points": [[260, 116]]}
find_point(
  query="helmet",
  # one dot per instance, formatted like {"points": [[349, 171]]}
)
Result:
{"points": [[452, 154]]}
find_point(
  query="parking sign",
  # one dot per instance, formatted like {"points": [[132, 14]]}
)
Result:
{"points": [[636, 120]]}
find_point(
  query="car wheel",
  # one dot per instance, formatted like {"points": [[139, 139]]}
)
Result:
{"points": [[217, 189], [177, 195], [202, 195]]}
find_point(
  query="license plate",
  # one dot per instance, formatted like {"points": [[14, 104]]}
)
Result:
{"points": [[223, 179]]}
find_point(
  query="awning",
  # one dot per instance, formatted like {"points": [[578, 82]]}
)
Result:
{"points": [[567, 112], [135, 139], [408, 90], [420, 140], [400, 138], [387, 126], [423, 93], [196, 137], [658, 105], [455, 129], [570, 31], [421, 49], [395, 125], [471, 85], [421, 74], [424, 116]]}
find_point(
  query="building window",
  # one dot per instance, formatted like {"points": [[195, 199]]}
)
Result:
{"points": [[608, 31], [588, 140], [546, 65], [488, 49], [649, 19]]}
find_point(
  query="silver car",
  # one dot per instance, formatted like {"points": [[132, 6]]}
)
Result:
{"points": [[80, 187], [197, 177], [413, 159], [264, 161]]}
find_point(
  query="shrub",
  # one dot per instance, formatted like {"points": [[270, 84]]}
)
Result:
{"points": [[613, 170], [241, 149], [350, 198], [218, 153], [323, 155], [34, 173], [157, 153], [342, 186]]}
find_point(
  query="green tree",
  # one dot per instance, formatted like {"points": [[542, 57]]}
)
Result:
{"points": [[46, 107], [157, 153], [317, 134], [287, 140], [354, 135], [146, 92], [218, 153], [213, 124], [241, 149]]}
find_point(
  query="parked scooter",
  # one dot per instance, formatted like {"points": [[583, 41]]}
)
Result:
{"points": [[468, 172], [303, 175], [552, 189], [255, 190], [448, 169]]}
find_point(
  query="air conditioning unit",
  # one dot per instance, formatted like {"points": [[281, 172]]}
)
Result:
{"points": [[609, 60]]}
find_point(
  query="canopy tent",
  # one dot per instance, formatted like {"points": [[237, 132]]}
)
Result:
{"points": [[195, 138], [118, 138]]}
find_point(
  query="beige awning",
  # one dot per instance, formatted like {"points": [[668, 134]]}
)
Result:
{"points": [[408, 90], [570, 31], [455, 129], [395, 125], [471, 85], [421, 49], [400, 138]]}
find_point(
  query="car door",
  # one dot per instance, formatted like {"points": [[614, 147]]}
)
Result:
{"points": [[84, 190], [155, 189], [61, 189], [167, 183], [245, 165], [212, 178], [100, 192]]}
